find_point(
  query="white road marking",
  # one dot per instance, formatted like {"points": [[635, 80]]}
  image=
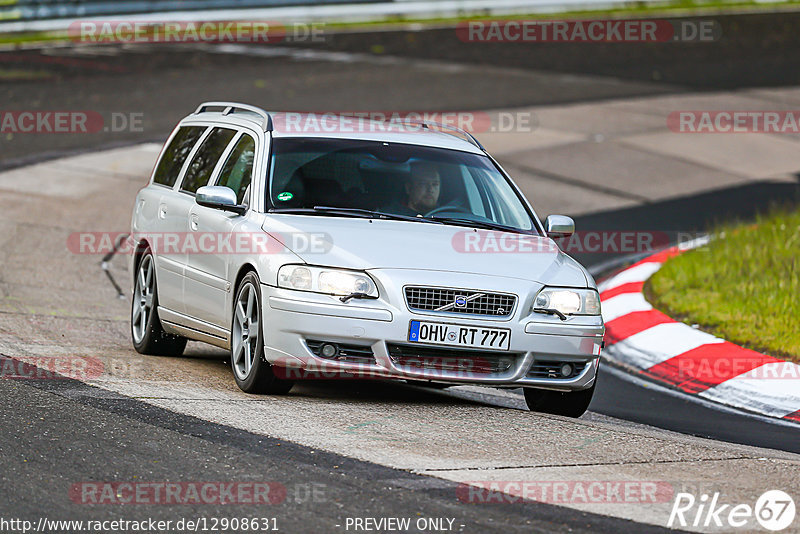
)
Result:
{"points": [[776, 397], [623, 305], [640, 273], [660, 343]]}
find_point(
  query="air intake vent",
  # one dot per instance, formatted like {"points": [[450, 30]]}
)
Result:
{"points": [[343, 352], [555, 370], [451, 360]]}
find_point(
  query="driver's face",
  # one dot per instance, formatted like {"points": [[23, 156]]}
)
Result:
{"points": [[423, 191]]}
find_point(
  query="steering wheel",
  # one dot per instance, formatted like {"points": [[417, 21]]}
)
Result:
{"points": [[451, 207]]}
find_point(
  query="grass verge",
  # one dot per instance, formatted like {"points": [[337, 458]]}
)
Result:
{"points": [[631, 9], [744, 286]]}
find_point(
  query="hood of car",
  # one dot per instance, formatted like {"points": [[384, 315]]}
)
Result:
{"points": [[355, 243]]}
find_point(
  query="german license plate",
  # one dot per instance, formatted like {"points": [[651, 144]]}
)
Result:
{"points": [[454, 335]]}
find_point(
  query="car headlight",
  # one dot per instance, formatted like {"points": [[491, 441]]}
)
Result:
{"points": [[568, 301], [326, 280]]}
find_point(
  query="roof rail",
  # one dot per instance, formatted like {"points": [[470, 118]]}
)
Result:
{"points": [[427, 125], [232, 107]]}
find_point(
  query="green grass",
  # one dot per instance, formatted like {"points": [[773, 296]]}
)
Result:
{"points": [[20, 74], [743, 286], [32, 37], [628, 10]]}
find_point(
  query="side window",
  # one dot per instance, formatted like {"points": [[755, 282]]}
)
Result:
{"points": [[205, 159], [238, 169], [176, 153]]}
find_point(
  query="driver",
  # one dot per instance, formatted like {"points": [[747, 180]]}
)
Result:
{"points": [[422, 190]]}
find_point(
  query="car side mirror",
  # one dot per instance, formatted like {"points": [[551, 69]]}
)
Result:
{"points": [[219, 197], [559, 226]]}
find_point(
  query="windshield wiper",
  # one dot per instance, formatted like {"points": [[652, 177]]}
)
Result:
{"points": [[354, 212], [315, 211], [356, 295], [477, 224], [371, 213], [551, 311]]}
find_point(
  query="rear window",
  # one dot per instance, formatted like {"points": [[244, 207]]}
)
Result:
{"points": [[205, 159], [176, 153]]}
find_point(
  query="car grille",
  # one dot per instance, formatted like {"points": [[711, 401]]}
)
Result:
{"points": [[552, 369], [451, 360], [464, 301], [344, 353]]}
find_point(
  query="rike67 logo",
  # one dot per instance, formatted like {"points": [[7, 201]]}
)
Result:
{"points": [[774, 511]]}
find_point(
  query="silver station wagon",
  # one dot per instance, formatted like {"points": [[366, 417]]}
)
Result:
{"points": [[326, 247]]}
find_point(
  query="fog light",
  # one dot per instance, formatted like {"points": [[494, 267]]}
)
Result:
{"points": [[566, 369], [328, 350]]}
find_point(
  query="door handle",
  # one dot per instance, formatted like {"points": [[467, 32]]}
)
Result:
{"points": [[194, 221], [162, 211]]}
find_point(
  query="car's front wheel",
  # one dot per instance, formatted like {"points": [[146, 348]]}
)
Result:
{"points": [[147, 333], [253, 373], [570, 404]]}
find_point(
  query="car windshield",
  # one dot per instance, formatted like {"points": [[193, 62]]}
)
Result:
{"points": [[432, 184]]}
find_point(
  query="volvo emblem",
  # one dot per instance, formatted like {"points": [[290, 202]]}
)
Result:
{"points": [[459, 301]]}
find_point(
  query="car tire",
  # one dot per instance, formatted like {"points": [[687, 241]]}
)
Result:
{"points": [[147, 333], [570, 404], [252, 372]]}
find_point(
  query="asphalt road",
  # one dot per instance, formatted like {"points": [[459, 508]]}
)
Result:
{"points": [[65, 431], [754, 50], [154, 81], [158, 80], [62, 432], [647, 403]]}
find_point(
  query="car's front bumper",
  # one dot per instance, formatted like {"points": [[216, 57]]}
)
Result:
{"points": [[293, 317]]}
